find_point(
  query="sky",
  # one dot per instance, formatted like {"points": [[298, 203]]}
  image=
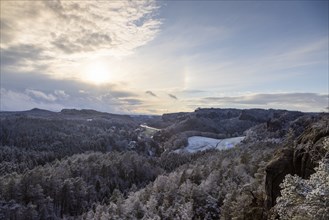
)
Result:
{"points": [[155, 57]]}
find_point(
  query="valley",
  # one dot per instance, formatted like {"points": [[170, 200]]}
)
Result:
{"points": [[206, 164]]}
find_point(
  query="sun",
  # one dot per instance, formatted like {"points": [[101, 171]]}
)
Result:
{"points": [[97, 73]]}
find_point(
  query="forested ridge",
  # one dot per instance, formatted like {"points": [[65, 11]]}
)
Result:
{"points": [[91, 165]]}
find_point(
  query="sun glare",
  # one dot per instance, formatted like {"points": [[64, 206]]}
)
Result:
{"points": [[97, 73]]}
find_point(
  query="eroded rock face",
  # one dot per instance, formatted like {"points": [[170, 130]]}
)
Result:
{"points": [[309, 149], [276, 170], [301, 159]]}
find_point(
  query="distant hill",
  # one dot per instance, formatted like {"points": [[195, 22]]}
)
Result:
{"points": [[64, 114], [221, 123]]}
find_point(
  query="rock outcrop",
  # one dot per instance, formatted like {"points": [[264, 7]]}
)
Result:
{"points": [[300, 159], [276, 170]]}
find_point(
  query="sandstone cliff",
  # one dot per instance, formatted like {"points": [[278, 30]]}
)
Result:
{"points": [[298, 157]]}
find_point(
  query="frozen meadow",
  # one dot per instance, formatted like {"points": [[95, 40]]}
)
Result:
{"points": [[199, 143]]}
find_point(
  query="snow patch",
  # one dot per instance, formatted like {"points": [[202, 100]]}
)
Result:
{"points": [[150, 128], [199, 143]]}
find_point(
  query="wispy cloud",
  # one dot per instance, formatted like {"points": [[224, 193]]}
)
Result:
{"points": [[245, 71], [172, 96], [307, 54], [61, 94], [151, 93], [294, 101], [41, 95], [131, 101]]}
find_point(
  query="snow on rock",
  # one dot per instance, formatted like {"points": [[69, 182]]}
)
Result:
{"points": [[199, 143]]}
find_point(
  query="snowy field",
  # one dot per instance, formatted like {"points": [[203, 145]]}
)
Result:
{"points": [[198, 143], [149, 131], [150, 128]]}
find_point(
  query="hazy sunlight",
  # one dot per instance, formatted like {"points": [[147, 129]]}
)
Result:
{"points": [[97, 72]]}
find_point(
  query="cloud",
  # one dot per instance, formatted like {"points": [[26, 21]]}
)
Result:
{"points": [[172, 96], [50, 97], [151, 93], [131, 101], [14, 100], [61, 32], [44, 92], [40, 95], [61, 94], [60, 88], [18, 101], [294, 101], [16, 54], [193, 91], [121, 94]]}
